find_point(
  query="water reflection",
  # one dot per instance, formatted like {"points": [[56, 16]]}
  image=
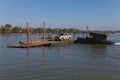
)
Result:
{"points": [[44, 55], [28, 58], [100, 49]]}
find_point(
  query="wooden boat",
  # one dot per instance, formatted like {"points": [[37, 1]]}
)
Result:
{"points": [[31, 43]]}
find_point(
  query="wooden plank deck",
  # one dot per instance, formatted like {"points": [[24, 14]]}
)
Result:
{"points": [[28, 45], [38, 43]]}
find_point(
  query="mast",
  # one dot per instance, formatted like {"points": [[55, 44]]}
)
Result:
{"points": [[87, 31], [44, 33], [27, 33], [74, 32]]}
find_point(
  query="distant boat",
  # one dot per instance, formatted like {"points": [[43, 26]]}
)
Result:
{"points": [[31, 43]]}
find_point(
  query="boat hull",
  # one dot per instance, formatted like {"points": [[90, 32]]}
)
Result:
{"points": [[89, 41]]}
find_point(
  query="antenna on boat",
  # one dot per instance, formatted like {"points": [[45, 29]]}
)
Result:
{"points": [[27, 33]]}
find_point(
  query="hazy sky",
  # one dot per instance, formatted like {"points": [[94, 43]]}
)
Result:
{"points": [[97, 14]]}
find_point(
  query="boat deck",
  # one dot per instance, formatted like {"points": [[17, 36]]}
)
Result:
{"points": [[39, 43], [28, 45]]}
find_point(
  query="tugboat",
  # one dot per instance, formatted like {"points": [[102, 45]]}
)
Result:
{"points": [[94, 38]]}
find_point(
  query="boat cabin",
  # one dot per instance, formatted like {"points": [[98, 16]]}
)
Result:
{"points": [[94, 38], [98, 37]]}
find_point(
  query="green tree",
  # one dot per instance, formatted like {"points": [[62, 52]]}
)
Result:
{"points": [[56, 30], [7, 29], [37, 30], [17, 29], [23, 30], [49, 30], [1, 28]]}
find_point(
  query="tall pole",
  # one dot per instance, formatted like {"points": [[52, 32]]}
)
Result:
{"points": [[27, 33], [87, 31], [44, 31], [74, 32]]}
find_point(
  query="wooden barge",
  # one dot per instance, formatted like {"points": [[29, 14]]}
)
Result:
{"points": [[26, 45], [91, 38], [31, 43]]}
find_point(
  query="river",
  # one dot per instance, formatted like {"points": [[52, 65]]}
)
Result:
{"points": [[70, 62]]}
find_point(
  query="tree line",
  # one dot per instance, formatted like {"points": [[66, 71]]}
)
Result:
{"points": [[8, 29]]}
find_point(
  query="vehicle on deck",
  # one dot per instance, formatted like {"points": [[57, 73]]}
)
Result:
{"points": [[63, 37]]}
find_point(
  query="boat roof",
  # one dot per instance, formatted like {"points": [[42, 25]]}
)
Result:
{"points": [[98, 34]]}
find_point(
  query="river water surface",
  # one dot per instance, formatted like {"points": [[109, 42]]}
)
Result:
{"points": [[70, 62]]}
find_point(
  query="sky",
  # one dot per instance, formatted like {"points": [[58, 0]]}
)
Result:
{"points": [[96, 14]]}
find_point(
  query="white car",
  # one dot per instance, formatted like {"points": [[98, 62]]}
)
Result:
{"points": [[62, 37]]}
